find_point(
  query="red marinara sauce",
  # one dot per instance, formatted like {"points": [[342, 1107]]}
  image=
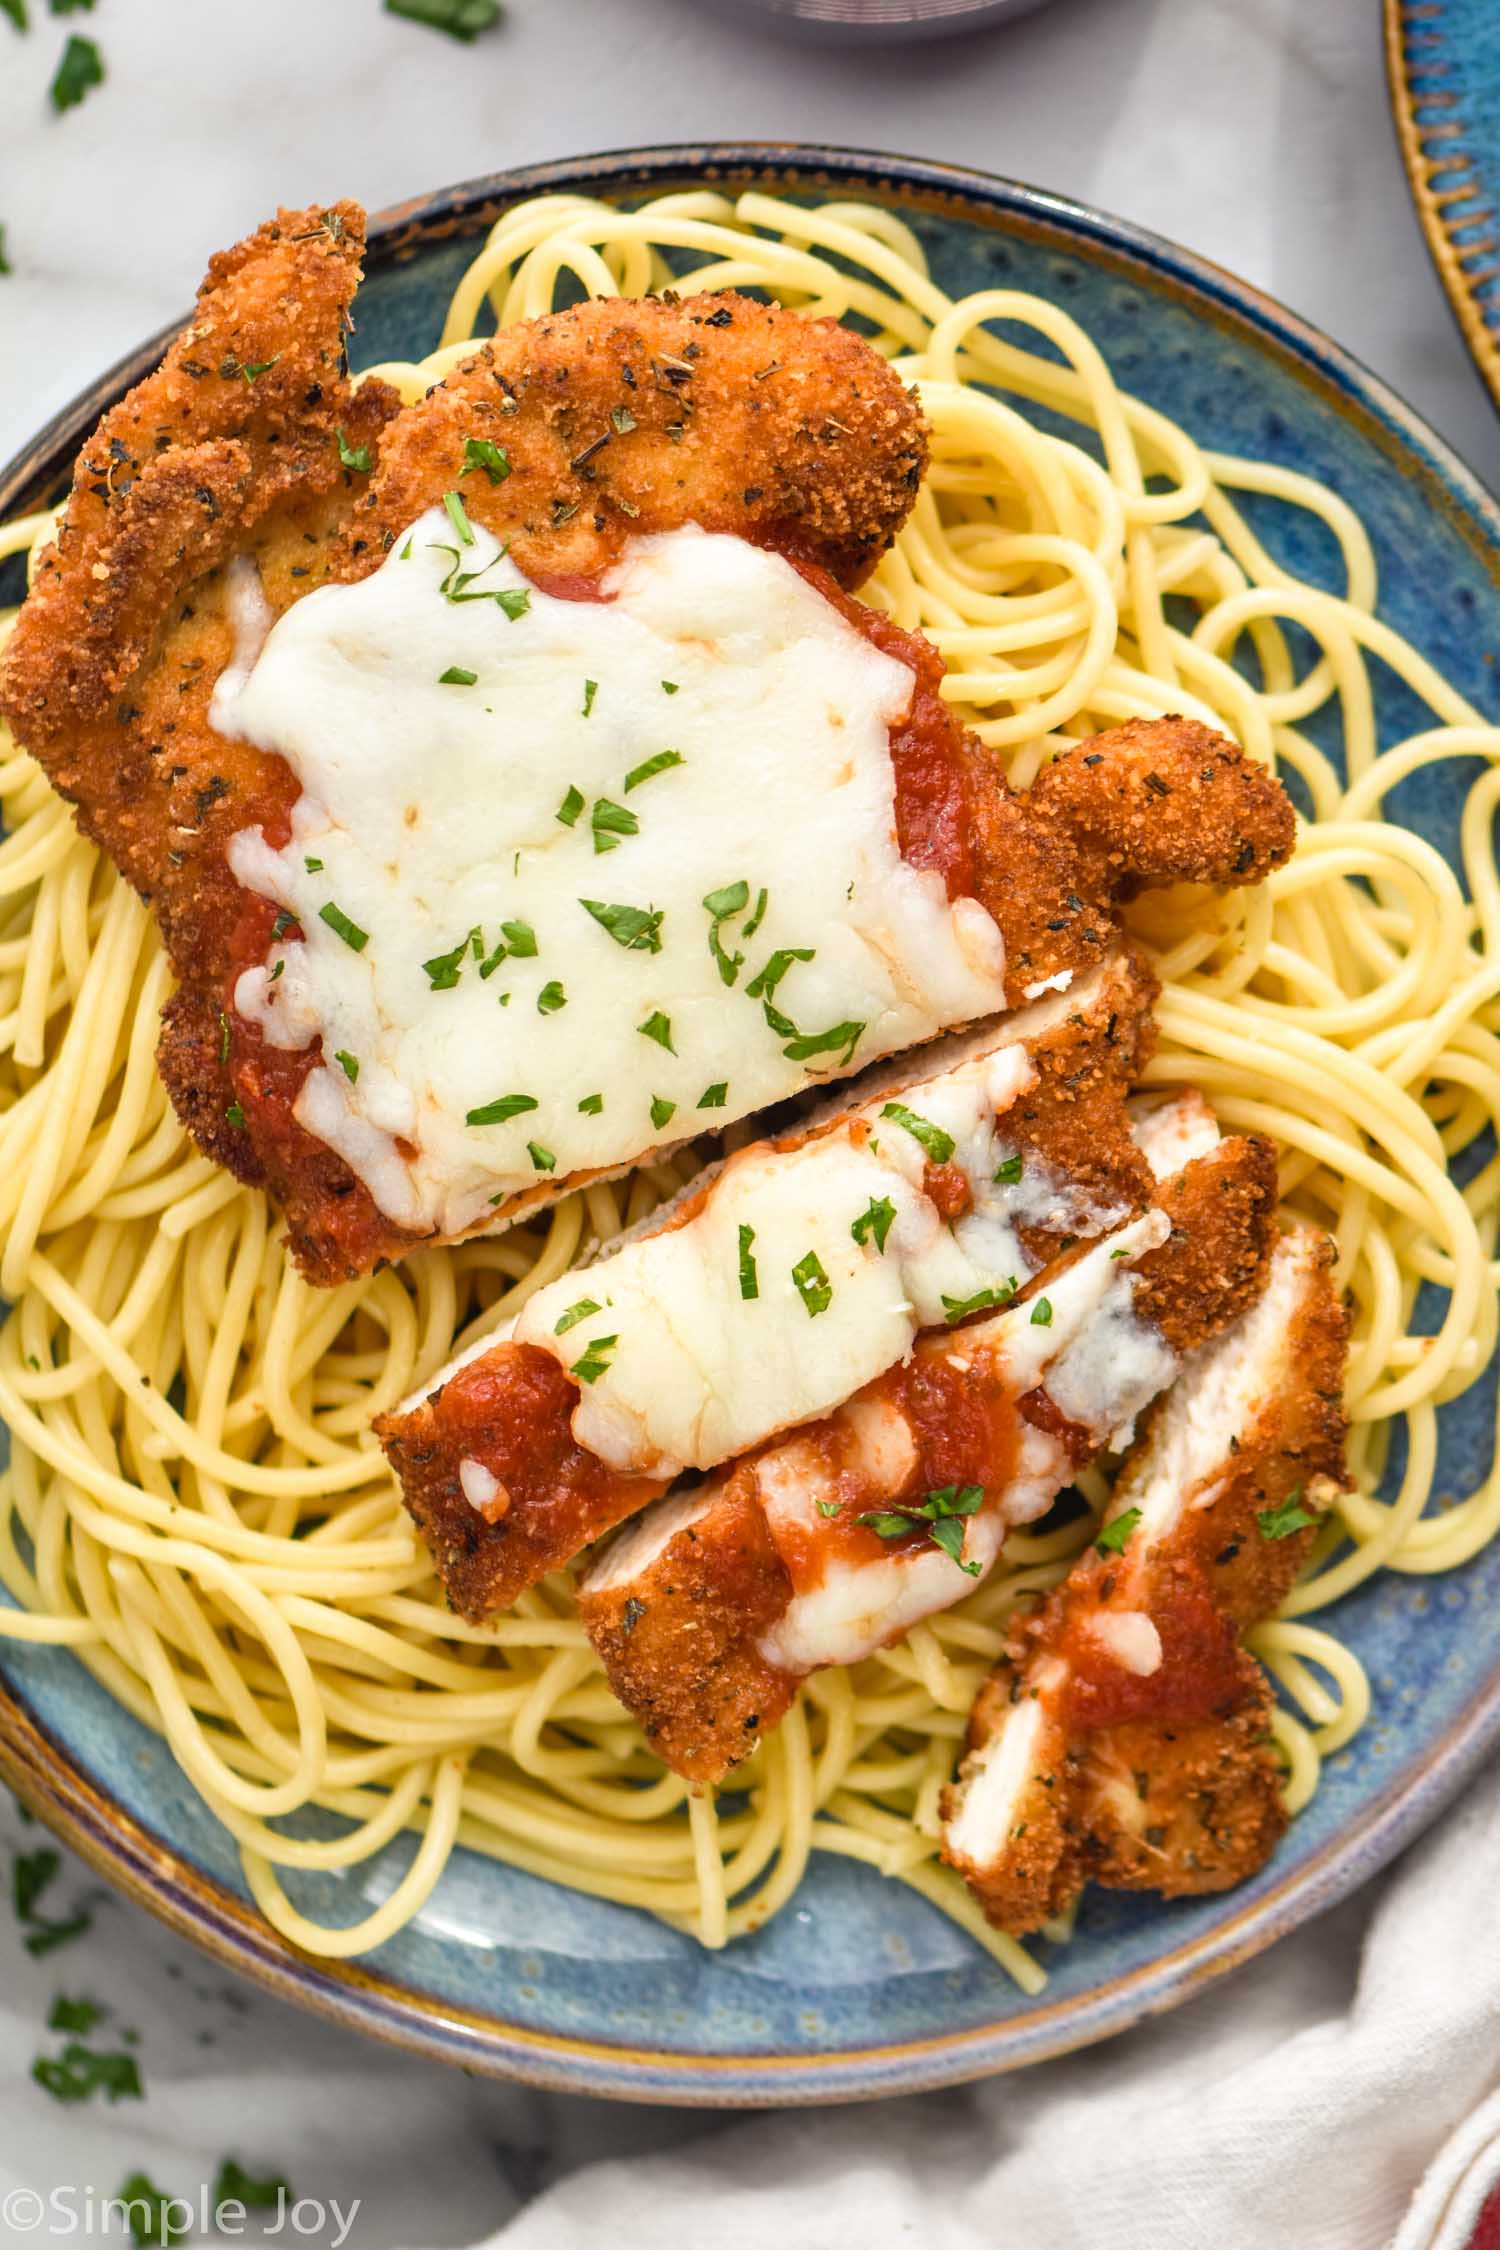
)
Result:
{"points": [[1199, 1672]]}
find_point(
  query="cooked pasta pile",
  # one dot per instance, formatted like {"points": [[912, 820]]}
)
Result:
{"points": [[195, 1503]]}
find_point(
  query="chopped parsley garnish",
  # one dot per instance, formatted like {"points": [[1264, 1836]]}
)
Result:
{"points": [[313, 866], [235, 1116], [1113, 1538], [16, 10], [661, 1110], [830, 1507], [721, 906], [550, 999], [74, 2015], [461, 19], [1280, 1523], [749, 1278], [592, 1105], [5, 264], [637, 928], [235, 2185], [651, 766], [81, 67], [595, 1360], [520, 937], [443, 969], [938, 1144], [30, 1874], [1119, 1254], [501, 1111], [571, 807], [590, 690], [622, 421], [348, 1064], [840, 1038], [151, 2213], [765, 981], [356, 457], [1041, 1313], [78, 2073], [223, 1037], [983, 1300], [714, 1096], [282, 924], [46, 1937], [483, 453], [275, 973], [812, 1284], [542, 1158], [456, 581], [570, 1319], [670, 687], [254, 367], [339, 922], [658, 1027], [458, 676], [758, 916], [942, 1515], [514, 600], [610, 822], [458, 516], [874, 1222], [1008, 1173]]}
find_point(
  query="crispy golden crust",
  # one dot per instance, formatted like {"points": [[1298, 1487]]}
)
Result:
{"points": [[1213, 1265], [678, 1640], [1169, 1781], [627, 415]]}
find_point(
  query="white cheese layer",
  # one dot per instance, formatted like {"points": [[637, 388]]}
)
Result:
{"points": [[765, 1308], [434, 821]]}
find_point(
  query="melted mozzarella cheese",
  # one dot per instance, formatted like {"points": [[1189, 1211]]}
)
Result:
{"points": [[993, 1781], [696, 1370], [438, 817]]}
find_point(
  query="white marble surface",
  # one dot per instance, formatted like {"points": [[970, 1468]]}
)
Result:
{"points": [[1256, 131]]}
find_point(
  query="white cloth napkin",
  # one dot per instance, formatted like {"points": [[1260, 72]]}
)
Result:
{"points": [[1295, 2106]]}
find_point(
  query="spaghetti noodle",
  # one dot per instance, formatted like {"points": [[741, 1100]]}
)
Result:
{"points": [[195, 1504]]}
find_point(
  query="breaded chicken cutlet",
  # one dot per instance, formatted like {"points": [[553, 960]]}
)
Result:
{"points": [[1125, 1738], [631, 450]]}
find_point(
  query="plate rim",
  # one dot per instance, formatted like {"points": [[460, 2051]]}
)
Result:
{"points": [[1406, 20], [146, 1868]]}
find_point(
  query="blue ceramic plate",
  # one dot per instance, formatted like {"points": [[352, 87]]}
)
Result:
{"points": [[1444, 63], [860, 1988]]}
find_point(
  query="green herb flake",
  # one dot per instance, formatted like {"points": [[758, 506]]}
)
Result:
{"points": [[551, 998], [938, 1144], [500, 1112], [595, 1360], [1116, 1533], [637, 928], [457, 676], [874, 1222], [670, 687], [571, 806], [662, 1111], [313, 866], [356, 457], [514, 600], [585, 1307], [348, 1064], [749, 1278], [339, 922], [81, 67], [839, 1038], [78, 2073], [610, 822], [983, 1300], [235, 1116], [542, 1158], [5, 264], [812, 1284], [622, 421], [151, 2214], [461, 19], [30, 1874], [46, 1937], [235, 2185], [763, 984], [714, 1096], [79, 2016], [483, 453], [1009, 1173], [223, 1037], [948, 1533], [1041, 1313], [830, 1507], [592, 1105], [887, 1524], [721, 906], [590, 690], [1291, 1516], [458, 516], [16, 10], [658, 1027], [443, 970], [521, 939], [661, 763]]}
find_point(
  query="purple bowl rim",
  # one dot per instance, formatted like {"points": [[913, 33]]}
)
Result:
{"points": [[148, 1869]]}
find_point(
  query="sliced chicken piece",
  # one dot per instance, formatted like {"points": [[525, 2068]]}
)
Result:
{"points": [[778, 1286], [714, 1606], [1124, 1739]]}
